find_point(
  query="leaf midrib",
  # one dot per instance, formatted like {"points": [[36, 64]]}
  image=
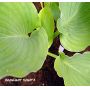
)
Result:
{"points": [[69, 65]]}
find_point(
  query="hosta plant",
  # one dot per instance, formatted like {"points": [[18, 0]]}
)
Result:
{"points": [[26, 36]]}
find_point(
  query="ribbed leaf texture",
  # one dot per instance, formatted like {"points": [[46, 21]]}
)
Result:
{"points": [[75, 70], [74, 25], [21, 53]]}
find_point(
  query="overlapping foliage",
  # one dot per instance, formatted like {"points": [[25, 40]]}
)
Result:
{"points": [[26, 35]]}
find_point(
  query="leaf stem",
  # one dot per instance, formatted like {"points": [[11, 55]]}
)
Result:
{"points": [[41, 4], [56, 34], [52, 55]]}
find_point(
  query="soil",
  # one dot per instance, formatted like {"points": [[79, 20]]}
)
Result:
{"points": [[46, 76]]}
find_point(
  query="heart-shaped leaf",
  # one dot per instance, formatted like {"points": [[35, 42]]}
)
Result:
{"points": [[75, 70], [22, 50], [54, 6], [74, 26], [47, 21]]}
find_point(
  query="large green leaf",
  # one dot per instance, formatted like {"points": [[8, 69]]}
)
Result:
{"points": [[74, 26], [75, 70], [21, 54], [54, 6], [47, 21]]}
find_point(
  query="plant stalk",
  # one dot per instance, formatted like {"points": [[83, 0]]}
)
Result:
{"points": [[41, 4], [56, 34], [52, 55]]}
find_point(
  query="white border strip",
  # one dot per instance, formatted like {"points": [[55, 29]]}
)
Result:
{"points": [[45, 88], [44, 0]]}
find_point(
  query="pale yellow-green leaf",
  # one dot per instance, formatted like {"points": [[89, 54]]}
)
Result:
{"points": [[75, 70]]}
